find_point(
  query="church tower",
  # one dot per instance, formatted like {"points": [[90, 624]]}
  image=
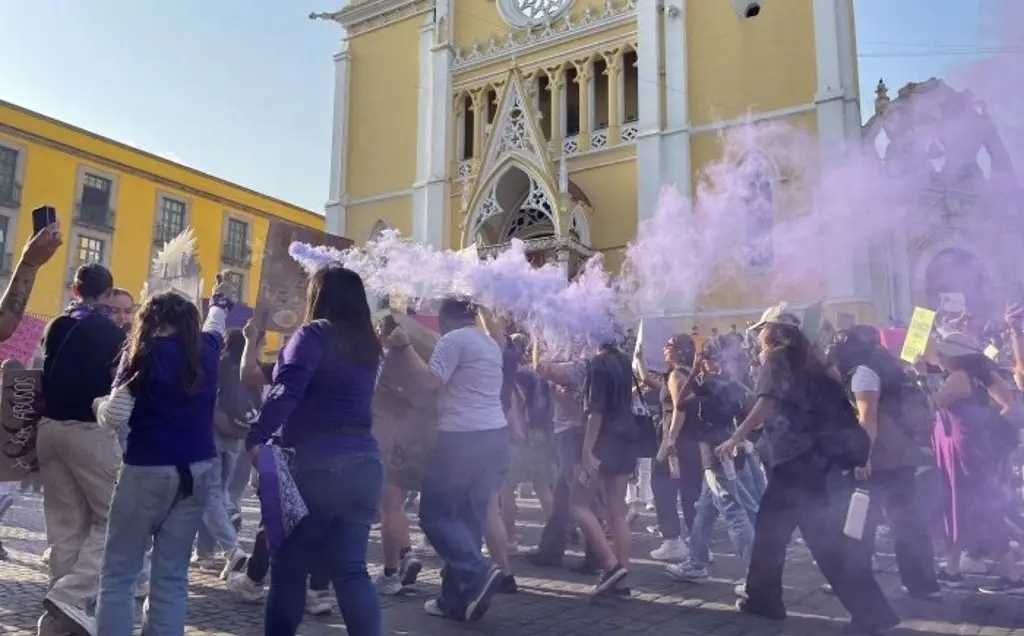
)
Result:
{"points": [[557, 122]]}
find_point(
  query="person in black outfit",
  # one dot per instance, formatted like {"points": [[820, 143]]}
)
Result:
{"points": [[676, 475], [608, 460], [798, 495]]}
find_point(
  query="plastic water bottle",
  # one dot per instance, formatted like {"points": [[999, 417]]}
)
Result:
{"points": [[857, 514]]}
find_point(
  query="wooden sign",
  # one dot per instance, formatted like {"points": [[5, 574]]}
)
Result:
{"points": [[20, 410], [405, 412], [282, 296]]}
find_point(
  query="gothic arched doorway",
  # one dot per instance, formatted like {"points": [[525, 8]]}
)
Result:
{"points": [[958, 272]]}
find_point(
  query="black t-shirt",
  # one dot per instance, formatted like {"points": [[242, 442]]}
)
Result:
{"points": [[80, 356], [608, 391], [786, 435]]}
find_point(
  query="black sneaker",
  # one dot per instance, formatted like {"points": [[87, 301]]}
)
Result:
{"points": [[609, 579], [950, 580], [477, 607], [1004, 585], [508, 585], [744, 605]]}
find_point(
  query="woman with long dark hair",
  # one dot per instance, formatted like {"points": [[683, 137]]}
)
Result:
{"points": [[797, 494], [164, 391], [321, 401]]}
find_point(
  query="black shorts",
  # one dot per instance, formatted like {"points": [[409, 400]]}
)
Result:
{"points": [[616, 454]]}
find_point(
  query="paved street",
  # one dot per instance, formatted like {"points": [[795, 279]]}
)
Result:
{"points": [[550, 603]]}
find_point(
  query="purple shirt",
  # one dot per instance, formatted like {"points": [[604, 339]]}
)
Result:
{"points": [[320, 401]]}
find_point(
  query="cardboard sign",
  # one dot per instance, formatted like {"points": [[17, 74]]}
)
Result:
{"points": [[916, 341], [22, 344], [20, 409], [282, 295], [404, 412], [653, 333]]}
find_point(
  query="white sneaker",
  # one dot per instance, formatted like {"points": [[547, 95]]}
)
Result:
{"points": [[671, 550], [203, 563], [388, 585], [236, 560], [431, 607], [318, 603], [250, 591], [687, 572], [741, 590], [973, 566]]}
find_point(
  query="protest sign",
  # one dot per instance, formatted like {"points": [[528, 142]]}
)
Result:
{"points": [[22, 344], [20, 409], [404, 411], [282, 295], [916, 341]]}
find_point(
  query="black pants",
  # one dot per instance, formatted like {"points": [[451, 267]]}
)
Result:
{"points": [[893, 491], [797, 496], [568, 445], [669, 492], [258, 565]]}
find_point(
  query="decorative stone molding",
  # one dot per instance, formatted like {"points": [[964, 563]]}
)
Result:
{"points": [[360, 17], [615, 12], [548, 243], [523, 14]]}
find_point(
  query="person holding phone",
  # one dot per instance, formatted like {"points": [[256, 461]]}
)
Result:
{"points": [[38, 251]]}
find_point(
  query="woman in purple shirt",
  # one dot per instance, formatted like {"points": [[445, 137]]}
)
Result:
{"points": [[320, 400]]}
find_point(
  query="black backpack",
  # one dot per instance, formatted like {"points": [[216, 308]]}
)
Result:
{"points": [[838, 435]]}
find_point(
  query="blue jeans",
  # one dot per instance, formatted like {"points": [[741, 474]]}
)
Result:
{"points": [[240, 478], [343, 496], [728, 497], [148, 509], [465, 471], [217, 529]]}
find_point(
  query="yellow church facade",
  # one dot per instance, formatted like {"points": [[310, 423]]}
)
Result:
{"points": [[558, 122]]}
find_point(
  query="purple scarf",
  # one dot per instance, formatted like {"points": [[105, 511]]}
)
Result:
{"points": [[281, 504], [79, 310]]}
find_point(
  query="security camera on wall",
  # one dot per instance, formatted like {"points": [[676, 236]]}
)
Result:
{"points": [[747, 8]]}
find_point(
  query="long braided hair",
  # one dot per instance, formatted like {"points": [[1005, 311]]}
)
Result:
{"points": [[162, 315]]}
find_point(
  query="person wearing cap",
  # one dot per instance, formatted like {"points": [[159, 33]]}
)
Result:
{"points": [[676, 472], [797, 494], [973, 441]]}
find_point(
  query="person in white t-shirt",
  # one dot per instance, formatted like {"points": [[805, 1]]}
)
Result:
{"points": [[470, 459]]}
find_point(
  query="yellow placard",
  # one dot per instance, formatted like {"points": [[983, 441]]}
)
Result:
{"points": [[917, 334]]}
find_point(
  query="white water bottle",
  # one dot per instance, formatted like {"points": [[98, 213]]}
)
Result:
{"points": [[857, 514]]}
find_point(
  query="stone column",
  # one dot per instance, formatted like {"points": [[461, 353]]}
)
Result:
{"points": [[479, 106], [613, 60], [562, 258], [584, 75], [648, 140], [335, 209], [556, 85]]}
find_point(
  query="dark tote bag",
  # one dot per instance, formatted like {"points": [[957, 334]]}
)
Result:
{"points": [[646, 440]]}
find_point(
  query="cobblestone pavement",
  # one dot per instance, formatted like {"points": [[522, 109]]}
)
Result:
{"points": [[550, 603]]}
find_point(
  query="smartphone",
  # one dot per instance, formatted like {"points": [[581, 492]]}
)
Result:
{"points": [[43, 217]]}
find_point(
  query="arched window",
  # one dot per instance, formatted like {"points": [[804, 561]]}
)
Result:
{"points": [[759, 209]]}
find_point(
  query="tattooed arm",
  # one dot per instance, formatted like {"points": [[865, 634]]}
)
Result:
{"points": [[39, 249], [15, 298]]}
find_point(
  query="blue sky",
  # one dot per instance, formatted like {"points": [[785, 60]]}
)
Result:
{"points": [[243, 89]]}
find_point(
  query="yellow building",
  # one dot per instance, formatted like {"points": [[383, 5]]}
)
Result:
{"points": [[558, 122], [118, 204]]}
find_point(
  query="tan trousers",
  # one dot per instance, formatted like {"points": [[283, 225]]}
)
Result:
{"points": [[78, 464]]}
